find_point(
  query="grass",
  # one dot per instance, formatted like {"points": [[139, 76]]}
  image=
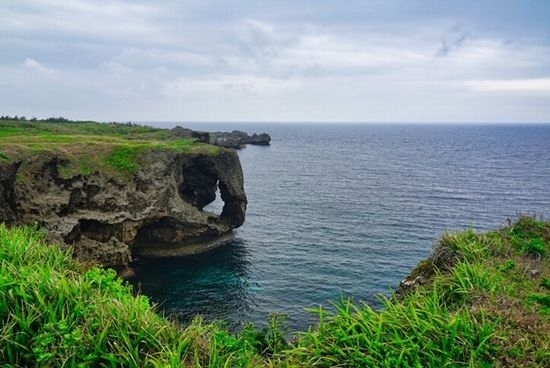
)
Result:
{"points": [[54, 312], [118, 149], [11, 128], [482, 305]]}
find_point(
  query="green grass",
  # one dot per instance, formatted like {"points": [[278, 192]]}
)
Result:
{"points": [[529, 236], [117, 149], [54, 312], [481, 305], [9, 128], [124, 158]]}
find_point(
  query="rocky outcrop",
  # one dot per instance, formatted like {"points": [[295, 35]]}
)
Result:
{"points": [[105, 219], [234, 139], [238, 139], [442, 259], [261, 139], [180, 132]]}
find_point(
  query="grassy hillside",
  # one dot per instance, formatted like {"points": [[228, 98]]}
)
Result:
{"points": [[483, 300], [91, 146]]}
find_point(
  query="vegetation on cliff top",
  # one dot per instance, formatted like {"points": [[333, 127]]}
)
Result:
{"points": [[90, 146], [481, 300]]}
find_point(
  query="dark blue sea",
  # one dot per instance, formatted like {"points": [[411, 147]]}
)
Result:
{"points": [[349, 210]]}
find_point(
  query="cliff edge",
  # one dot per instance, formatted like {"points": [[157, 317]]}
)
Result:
{"points": [[108, 195]]}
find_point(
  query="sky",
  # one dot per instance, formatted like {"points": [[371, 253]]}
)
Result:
{"points": [[276, 61]]}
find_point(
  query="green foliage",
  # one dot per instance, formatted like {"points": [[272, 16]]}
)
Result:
{"points": [[54, 312], [535, 246], [271, 339], [62, 126], [532, 246], [466, 244], [542, 299], [15, 118], [530, 236], [472, 246], [419, 332], [85, 147], [467, 282], [124, 158], [507, 266]]}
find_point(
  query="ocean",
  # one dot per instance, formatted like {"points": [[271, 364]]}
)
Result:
{"points": [[347, 210]]}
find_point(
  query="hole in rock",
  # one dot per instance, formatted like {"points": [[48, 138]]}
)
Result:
{"points": [[216, 206]]}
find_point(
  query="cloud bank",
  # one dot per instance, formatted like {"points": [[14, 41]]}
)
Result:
{"points": [[276, 61]]}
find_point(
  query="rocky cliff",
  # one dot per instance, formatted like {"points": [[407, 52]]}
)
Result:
{"points": [[105, 217], [234, 139]]}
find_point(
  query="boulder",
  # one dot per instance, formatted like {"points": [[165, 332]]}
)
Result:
{"points": [[260, 139]]}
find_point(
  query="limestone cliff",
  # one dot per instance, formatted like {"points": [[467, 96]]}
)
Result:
{"points": [[103, 217]]}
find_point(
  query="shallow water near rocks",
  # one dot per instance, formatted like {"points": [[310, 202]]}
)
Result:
{"points": [[350, 210]]}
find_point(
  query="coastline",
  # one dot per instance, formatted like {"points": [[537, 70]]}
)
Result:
{"points": [[101, 188]]}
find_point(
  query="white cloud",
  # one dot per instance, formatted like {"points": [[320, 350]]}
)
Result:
{"points": [[233, 83], [80, 19], [155, 58], [332, 54], [33, 65], [168, 59], [318, 52], [540, 85]]}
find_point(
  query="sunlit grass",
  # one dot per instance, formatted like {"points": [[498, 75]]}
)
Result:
{"points": [[481, 306], [117, 149], [9, 128], [54, 312]]}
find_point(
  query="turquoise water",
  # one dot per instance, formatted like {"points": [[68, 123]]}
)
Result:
{"points": [[350, 210]]}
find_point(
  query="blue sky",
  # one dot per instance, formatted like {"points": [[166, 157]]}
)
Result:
{"points": [[334, 61]]}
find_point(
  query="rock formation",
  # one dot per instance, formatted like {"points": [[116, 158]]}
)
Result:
{"points": [[234, 139], [103, 217], [238, 139]]}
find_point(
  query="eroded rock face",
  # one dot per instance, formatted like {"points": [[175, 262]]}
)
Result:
{"points": [[235, 139], [103, 218], [201, 173], [7, 192], [238, 139]]}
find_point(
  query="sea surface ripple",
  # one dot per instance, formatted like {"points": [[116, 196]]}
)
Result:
{"points": [[349, 210]]}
